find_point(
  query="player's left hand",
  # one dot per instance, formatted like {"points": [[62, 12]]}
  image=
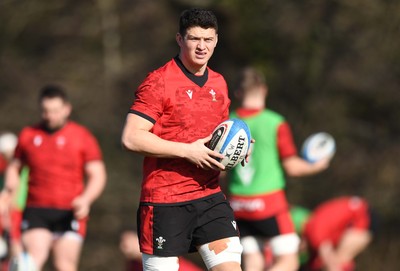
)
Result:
{"points": [[246, 159], [81, 207]]}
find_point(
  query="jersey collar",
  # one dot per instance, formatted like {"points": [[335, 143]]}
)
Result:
{"points": [[198, 80]]}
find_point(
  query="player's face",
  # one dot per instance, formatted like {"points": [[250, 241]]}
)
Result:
{"points": [[197, 47], [55, 112]]}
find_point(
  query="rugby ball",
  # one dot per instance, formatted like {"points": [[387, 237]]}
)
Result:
{"points": [[318, 146], [8, 142], [232, 139]]}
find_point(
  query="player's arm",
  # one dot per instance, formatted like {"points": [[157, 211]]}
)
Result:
{"points": [[296, 166], [96, 180], [136, 137], [292, 163], [329, 256], [10, 185]]}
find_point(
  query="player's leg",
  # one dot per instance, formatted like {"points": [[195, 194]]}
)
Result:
{"points": [[285, 262], [37, 243], [253, 258], [352, 243], [217, 235], [66, 251], [285, 243], [285, 251], [222, 255], [158, 263], [164, 234], [68, 240]]}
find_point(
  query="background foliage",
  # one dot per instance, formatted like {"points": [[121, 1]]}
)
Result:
{"points": [[332, 65]]}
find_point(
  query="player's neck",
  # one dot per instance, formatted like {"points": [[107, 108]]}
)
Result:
{"points": [[194, 69], [52, 130]]}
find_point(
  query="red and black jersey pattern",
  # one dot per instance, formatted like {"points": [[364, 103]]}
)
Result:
{"points": [[182, 109], [56, 163]]}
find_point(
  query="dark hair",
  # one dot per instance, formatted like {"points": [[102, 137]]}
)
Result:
{"points": [[197, 17], [53, 91], [251, 78]]}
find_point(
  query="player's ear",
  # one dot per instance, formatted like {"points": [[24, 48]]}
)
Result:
{"points": [[179, 39], [68, 108]]}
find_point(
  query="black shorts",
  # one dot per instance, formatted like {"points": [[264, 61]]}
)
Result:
{"points": [[176, 229], [267, 228], [55, 220]]}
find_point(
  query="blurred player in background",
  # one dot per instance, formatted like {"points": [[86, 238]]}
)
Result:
{"points": [[182, 208], [60, 155], [337, 231], [257, 190]]}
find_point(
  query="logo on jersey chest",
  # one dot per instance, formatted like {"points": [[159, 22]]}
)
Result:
{"points": [[213, 95], [60, 141], [212, 92], [189, 92], [37, 140]]}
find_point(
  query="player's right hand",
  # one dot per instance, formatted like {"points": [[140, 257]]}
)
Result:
{"points": [[198, 153]]}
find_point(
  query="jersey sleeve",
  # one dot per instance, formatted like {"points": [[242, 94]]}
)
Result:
{"points": [[3, 164], [286, 144], [19, 149], [91, 148], [361, 216], [148, 98]]}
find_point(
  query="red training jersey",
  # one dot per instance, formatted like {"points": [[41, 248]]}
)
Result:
{"points": [[56, 163], [329, 220], [183, 108], [3, 164]]}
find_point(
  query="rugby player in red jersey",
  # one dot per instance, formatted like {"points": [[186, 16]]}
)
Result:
{"points": [[66, 176], [182, 208], [337, 231]]}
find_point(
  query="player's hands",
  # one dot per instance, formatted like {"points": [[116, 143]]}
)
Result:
{"points": [[323, 164], [197, 153], [81, 207], [246, 159]]}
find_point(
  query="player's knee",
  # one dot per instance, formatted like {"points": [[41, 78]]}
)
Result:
{"points": [[156, 263], [221, 251], [251, 245], [288, 261], [285, 244], [65, 265]]}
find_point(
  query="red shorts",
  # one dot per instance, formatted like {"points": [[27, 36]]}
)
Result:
{"points": [[265, 215]]}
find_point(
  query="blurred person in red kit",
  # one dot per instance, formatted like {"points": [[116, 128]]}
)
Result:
{"points": [[337, 231], [66, 175]]}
